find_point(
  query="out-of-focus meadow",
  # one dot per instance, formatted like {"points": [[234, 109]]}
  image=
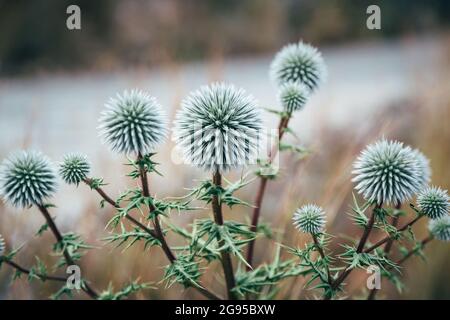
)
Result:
{"points": [[54, 82]]}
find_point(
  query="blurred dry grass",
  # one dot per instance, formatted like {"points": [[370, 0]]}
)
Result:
{"points": [[323, 177]]}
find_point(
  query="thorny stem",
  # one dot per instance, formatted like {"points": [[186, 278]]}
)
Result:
{"points": [[359, 249], [42, 277], [160, 235], [402, 260], [388, 238], [108, 199], [412, 252], [348, 270], [59, 239], [284, 121], [322, 254], [226, 259], [387, 247]]}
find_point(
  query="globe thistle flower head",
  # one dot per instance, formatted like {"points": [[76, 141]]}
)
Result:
{"points": [[133, 123], [433, 202], [218, 128], [440, 228], [309, 219], [424, 168], [74, 168], [293, 96], [27, 178], [2, 246], [387, 172], [299, 62]]}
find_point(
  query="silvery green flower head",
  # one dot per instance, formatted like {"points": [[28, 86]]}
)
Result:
{"points": [[2, 246], [133, 123], [433, 202], [309, 219], [387, 172], [440, 228], [293, 96], [298, 62], [27, 178], [424, 168], [74, 168], [218, 127]]}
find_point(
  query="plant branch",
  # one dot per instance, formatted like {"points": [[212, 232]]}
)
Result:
{"points": [[387, 247], [158, 233], [108, 199], [42, 277], [411, 253], [284, 121], [226, 259], [322, 254], [388, 238], [360, 248], [59, 239], [423, 243]]}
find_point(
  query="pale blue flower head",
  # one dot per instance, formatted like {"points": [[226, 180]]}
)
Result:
{"points": [[2, 246], [433, 202], [293, 96], [298, 62], [74, 168], [387, 172], [27, 178], [133, 123], [424, 168], [440, 228], [309, 218], [218, 128]]}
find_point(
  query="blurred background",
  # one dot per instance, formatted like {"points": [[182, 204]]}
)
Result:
{"points": [[392, 82]]}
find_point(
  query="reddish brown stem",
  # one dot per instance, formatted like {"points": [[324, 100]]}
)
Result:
{"points": [[359, 249], [284, 121], [158, 230], [108, 199], [59, 239], [322, 254], [412, 252], [388, 238], [43, 277], [160, 235], [387, 247], [401, 261]]}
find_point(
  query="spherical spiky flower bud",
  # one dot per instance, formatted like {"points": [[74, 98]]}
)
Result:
{"points": [[293, 96], [27, 178], [298, 62], [218, 127], [433, 202], [133, 122], [74, 168], [309, 219], [424, 168], [387, 172], [440, 228], [2, 246]]}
